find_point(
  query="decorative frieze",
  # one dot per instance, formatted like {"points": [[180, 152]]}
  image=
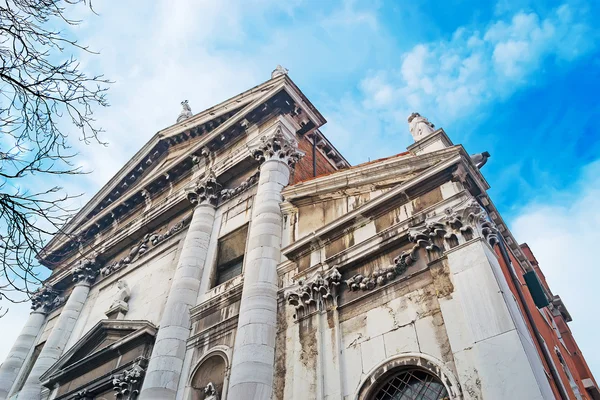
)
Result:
{"points": [[277, 146], [85, 272], [149, 240], [227, 194], [317, 293], [381, 276], [46, 299], [204, 191], [128, 383]]}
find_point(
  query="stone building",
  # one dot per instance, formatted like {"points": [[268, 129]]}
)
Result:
{"points": [[238, 255]]}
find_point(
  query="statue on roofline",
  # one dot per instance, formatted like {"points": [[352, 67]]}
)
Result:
{"points": [[419, 126]]}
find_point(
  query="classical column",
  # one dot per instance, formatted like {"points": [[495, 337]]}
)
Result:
{"points": [[41, 302], [254, 352], [84, 275], [166, 362]]}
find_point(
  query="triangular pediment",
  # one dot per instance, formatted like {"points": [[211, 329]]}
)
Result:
{"points": [[170, 154], [374, 178], [106, 337]]}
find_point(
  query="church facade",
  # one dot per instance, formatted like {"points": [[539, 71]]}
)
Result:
{"points": [[238, 255]]}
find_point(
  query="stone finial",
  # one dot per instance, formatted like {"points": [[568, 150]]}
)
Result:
{"points": [[210, 392], [85, 272], [277, 146], [279, 70], [186, 111], [204, 191], [419, 126], [127, 384]]}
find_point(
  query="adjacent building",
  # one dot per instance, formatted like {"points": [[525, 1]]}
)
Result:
{"points": [[238, 255]]}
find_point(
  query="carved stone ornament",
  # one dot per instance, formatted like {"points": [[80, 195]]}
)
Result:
{"points": [[317, 293], [457, 225], [419, 126], [127, 384], [186, 111], [46, 299], [85, 272], [119, 306], [83, 395], [204, 191], [278, 71], [210, 392], [277, 146], [227, 194], [149, 240], [382, 276]]}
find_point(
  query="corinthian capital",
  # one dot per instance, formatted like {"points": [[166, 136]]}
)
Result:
{"points": [[45, 299], [85, 272], [277, 146], [204, 191]]}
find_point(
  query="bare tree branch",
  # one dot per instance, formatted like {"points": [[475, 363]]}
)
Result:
{"points": [[42, 88]]}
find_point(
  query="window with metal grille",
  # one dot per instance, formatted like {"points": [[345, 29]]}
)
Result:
{"points": [[230, 255], [414, 384]]}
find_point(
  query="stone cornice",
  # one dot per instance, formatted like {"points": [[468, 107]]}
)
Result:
{"points": [[380, 201], [366, 174]]}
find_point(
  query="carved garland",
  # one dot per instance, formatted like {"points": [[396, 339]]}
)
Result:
{"points": [[227, 194], [149, 240], [437, 234]]}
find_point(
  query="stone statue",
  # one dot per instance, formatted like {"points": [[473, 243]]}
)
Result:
{"points": [[186, 111], [279, 70], [119, 306], [124, 292], [210, 392], [419, 126]]}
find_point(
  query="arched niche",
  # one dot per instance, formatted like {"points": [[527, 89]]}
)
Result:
{"points": [[404, 365], [212, 367]]}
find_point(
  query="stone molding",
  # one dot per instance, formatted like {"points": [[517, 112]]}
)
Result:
{"points": [[317, 293], [128, 383], [277, 146], [85, 271], [204, 191]]}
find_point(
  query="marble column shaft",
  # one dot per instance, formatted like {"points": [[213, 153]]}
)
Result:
{"points": [[56, 342], [166, 362], [254, 352], [18, 353]]}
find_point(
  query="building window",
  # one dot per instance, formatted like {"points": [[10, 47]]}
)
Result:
{"points": [[414, 384], [567, 371], [230, 255]]}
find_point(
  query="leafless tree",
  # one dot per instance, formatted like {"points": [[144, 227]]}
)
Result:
{"points": [[45, 101]]}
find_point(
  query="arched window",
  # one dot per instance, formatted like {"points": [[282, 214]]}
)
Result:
{"points": [[411, 384]]}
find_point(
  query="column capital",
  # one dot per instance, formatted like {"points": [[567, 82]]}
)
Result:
{"points": [[277, 146], [205, 190], [85, 271], [45, 299]]}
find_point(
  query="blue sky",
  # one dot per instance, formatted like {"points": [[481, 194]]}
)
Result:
{"points": [[519, 79]]}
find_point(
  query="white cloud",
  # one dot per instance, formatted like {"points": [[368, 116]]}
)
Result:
{"points": [[562, 231], [452, 78]]}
